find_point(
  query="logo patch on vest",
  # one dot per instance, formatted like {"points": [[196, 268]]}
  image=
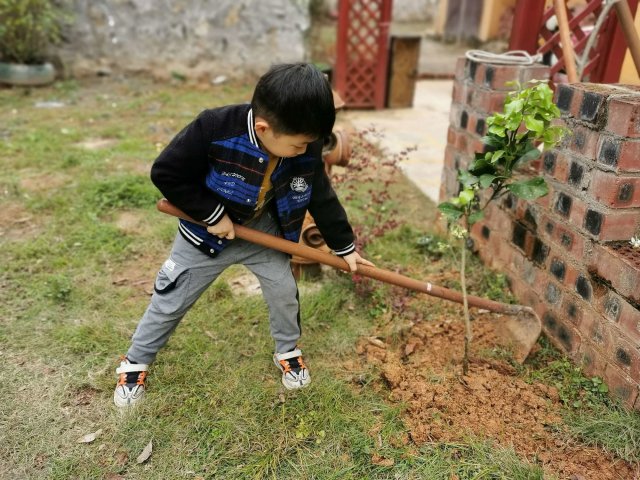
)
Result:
{"points": [[298, 184]]}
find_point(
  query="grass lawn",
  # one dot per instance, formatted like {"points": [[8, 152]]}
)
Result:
{"points": [[81, 242]]}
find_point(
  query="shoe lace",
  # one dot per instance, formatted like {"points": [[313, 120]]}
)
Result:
{"points": [[293, 364], [131, 379]]}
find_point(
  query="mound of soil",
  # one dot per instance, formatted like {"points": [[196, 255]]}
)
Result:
{"points": [[424, 371]]}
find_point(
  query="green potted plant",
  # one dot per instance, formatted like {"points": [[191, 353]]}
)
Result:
{"points": [[27, 29]]}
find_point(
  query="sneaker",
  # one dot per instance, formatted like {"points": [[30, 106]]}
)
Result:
{"points": [[294, 372], [130, 387]]}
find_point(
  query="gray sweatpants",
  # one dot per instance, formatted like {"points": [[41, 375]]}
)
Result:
{"points": [[188, 272]]}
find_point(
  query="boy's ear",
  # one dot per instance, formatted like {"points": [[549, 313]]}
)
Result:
{"points": [[261, 125]]}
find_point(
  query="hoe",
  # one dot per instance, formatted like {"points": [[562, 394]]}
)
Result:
{"points": [[521, 327]]}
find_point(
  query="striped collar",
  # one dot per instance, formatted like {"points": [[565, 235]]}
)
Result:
{"points": [[253, 138]]}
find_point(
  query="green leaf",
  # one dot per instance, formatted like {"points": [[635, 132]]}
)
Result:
{"points": [[450, 211], [531, 154], [493, 141], [476, 217], [486, 180], [466, 196], [533, 124], [480, 166], [514, 106], [497, 155], [497, 130], [529, 189], [466, 178]]}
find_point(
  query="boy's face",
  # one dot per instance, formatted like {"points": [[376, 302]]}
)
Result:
{"points": [[281, 145]]}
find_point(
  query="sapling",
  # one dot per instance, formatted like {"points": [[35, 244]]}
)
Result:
{"points": [[512, 140]]}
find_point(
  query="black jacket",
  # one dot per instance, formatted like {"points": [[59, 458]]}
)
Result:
{"points": [[216, 166]]}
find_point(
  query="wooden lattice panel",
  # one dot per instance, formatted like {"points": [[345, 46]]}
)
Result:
{"points": [[362, 52], [530, 33]]}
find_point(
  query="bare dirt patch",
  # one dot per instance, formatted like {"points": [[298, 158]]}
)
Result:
{"points": [[17, 223], [423, 371], [131, 223], [97, 143], [46, 182], [139, 274]]}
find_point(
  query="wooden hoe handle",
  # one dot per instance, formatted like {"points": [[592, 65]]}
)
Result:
{"points": [[386, 276]]}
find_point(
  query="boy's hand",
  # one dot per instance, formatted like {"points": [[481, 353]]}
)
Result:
{"points": [[353, 259], [223, 229]]}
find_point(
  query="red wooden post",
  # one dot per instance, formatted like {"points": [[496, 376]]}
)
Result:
{"points": [[527, 21], [617, 48], [362, 52]]}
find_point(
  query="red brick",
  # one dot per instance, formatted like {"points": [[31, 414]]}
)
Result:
{"points": [[629, 160], [591, 359], [620, 155], [459, 92], [596, 328], [495, 77], [477, 123], [617, 310], [455, 112], [581, 140], [486, 101], [499, 221], [624, 115], [448, 184], [572, 307], [461, 68], [560, 171], [563, 334], [588, 101], [534, 72], [600, 222], [615, 191], [616, 269], [630, 321], [558, 233], [626, 356], [451, 135], [620, 385], [567, 100]]}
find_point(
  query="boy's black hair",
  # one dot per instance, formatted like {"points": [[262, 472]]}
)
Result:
{"points": [[295, 99]]}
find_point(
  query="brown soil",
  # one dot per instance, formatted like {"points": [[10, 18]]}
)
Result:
{"points": [[424, 372], [17, 223]]}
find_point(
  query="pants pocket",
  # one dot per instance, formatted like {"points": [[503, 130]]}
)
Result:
{"points": [[171, 287]]}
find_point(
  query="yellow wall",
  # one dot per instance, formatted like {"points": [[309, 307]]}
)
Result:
{"points": [[491, 13], [629, 74]]}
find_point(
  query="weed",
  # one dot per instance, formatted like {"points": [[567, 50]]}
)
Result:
{"points": [[124, 191], [575, 389], [613, 428], [58, 288]]}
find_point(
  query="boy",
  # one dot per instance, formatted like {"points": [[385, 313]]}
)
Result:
{"points": [[258, 165]]}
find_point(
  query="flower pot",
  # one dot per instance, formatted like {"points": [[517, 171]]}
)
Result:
{"points": [[26, 75]]}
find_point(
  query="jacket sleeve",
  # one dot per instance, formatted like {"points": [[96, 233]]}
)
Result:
{"points": [[328, 213], [180, 170]]}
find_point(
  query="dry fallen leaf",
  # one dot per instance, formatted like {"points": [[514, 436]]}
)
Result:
{"points": [[89, 437], [146, 453]]}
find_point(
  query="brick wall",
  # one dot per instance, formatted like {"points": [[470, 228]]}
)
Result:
{"points": [[567, 254]]}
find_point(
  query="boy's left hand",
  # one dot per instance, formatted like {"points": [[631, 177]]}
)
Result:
{"points": [[353, 259]]}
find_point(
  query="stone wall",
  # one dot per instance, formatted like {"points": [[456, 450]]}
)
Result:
{"points": [[197, 39], [567, 254]]}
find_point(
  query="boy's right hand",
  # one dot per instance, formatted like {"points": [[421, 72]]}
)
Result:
{"points": [[223, 229]]}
